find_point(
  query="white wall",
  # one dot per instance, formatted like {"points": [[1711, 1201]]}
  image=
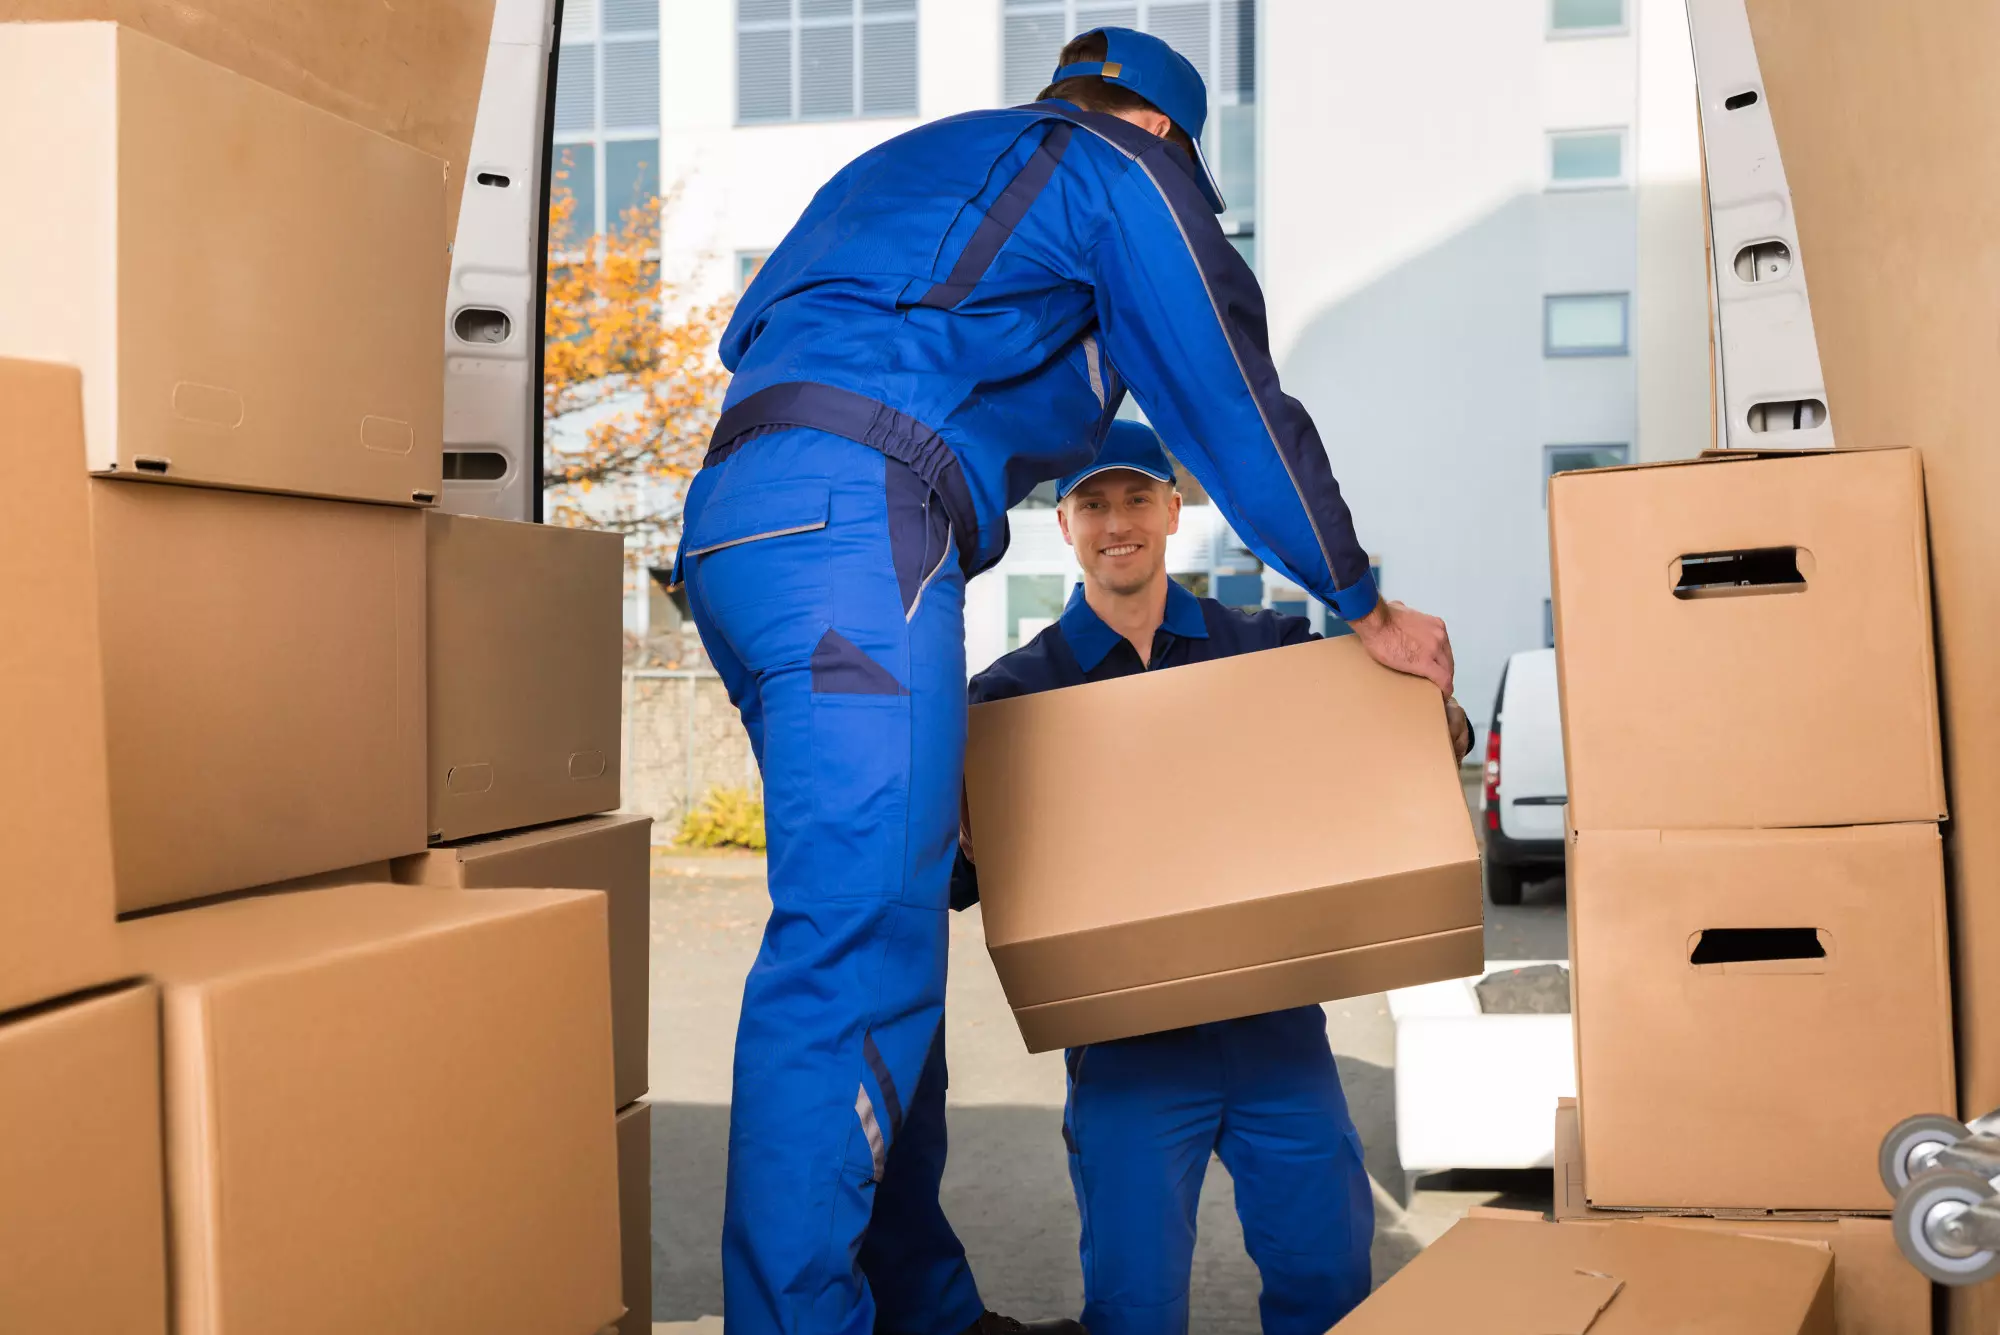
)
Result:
{"points": [[1407, 240]]}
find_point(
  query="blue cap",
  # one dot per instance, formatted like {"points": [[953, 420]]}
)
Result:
{"points": [[1164, 77], [1127, 444]]}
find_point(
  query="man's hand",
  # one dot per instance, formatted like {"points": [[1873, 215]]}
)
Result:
{"points": [[1461, 727], [1408, 641], [965, 826]]}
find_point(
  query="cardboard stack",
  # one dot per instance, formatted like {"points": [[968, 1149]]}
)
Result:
{"points": [[248, 1059], [1757, 919]]}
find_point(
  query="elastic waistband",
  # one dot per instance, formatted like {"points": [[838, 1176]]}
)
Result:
{"points": [[856, 417]]}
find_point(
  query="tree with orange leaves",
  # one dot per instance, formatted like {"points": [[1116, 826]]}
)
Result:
{"points": [[631, 384]]}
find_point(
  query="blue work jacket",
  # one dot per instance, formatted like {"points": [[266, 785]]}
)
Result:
{"points": [[1079, 647], [979, 292]]}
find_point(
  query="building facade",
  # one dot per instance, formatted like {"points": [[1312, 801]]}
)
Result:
{"points": [[1477, 224]]}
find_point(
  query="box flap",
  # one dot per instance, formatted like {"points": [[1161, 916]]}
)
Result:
{"points": [[409, 71]]}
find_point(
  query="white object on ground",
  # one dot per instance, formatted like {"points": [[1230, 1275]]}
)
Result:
{"points": [[1476, 1090]]}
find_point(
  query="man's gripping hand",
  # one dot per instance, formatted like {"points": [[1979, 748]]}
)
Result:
{"points": [[1409, 641]]}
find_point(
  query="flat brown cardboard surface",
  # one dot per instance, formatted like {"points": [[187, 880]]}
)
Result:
{"points": [[263, 680], [608, 853], [1082, 896], [82, 1237], [1683, 1069], [55, 825], [1878, 109], [1876, 1292], [1523, 1277], [1253, 991], [387, 1111], [526, 651], [252, 287], [1816, 707], [412, 72], [635, 1215]]}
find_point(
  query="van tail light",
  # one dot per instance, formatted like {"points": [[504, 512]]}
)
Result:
{"points": [[1491, 801]]}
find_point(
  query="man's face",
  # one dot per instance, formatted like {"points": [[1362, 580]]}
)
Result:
{"points": [[1118, 521]]}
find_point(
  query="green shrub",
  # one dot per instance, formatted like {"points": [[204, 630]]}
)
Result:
{"points": [[726, 818]]}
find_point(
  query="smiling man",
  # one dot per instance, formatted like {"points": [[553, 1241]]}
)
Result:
{"points": [[1144, 1114]]}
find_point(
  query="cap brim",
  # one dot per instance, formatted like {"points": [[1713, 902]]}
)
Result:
{"points": [[1206, 179], [1082, 478]]}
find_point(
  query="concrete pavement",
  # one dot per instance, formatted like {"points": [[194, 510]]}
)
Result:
{"points": [[1007, 1188]]}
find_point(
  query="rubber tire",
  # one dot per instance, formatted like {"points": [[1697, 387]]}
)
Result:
{"points": [[1503, 883], [1892, 1160], [1928, 1190]]}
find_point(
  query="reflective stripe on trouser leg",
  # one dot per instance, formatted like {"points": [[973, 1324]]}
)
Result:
{"points": [[860, 830]]}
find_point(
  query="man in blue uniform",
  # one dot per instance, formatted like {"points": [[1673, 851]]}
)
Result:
{"points": [[954, 319], [1144, 1114]]}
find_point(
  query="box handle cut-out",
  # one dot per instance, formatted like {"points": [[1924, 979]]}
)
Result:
{"points": [[1761, 950], [1747, 571]]}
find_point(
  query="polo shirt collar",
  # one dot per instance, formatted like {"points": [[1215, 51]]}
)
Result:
{"points": [[1090, 639]]}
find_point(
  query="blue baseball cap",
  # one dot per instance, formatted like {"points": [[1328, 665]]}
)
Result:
{"points": [[1130, 445], [1164, 77]]}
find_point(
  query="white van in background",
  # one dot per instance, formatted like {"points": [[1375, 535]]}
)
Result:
{"points": [[1521, 805]]}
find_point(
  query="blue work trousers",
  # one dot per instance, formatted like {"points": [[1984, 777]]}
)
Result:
{"points": [[1143, 1116], [826, 586]]}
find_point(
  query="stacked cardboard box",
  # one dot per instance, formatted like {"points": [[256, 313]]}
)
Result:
{"points": [[1756, 882], [332, 1102]]}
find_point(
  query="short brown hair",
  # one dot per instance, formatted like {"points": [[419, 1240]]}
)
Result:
{"points": [[1096, 94]]}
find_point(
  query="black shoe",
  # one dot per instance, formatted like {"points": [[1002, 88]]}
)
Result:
{"points": [[995, 1324]]}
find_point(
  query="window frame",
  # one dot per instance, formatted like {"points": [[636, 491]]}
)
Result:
{"points": [[594, 35], [1623, 180], [1552, 352], [1555, 33], [857, 21]]}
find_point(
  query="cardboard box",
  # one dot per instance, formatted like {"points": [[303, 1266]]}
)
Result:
{"points": [[83, 1247], [251, 285], [609, 853], [1803, 697], [635, 1215], [263, 686], [1878, 109], [55, 822], [386, 1111], [1875, 1291], [526, 650], [412, 72], [1107, 919], [1523, 1277], [1737, 990]]}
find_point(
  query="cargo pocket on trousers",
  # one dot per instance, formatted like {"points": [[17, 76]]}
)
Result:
{"points": [[860, 800]]}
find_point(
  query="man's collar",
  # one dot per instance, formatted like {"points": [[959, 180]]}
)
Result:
{"points": [[1090, 639]]}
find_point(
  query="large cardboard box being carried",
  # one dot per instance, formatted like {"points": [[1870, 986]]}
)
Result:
{"points": [[83, 1247], [609, 853], [252, 286], [55, 821], [1334, 855], [526, 647], [387, 1110], [1525, 1277], [1740, 989], [1746, 642], [1875, 1291]]}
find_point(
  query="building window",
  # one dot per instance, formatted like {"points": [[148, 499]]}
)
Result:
{"points": [[1241, 591], [1219, 38], [1586, 18], [1582, 158], [1033, 602], [607, 118], [818, 60], [748, 262], [1569, 458], [1586, 324]]}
